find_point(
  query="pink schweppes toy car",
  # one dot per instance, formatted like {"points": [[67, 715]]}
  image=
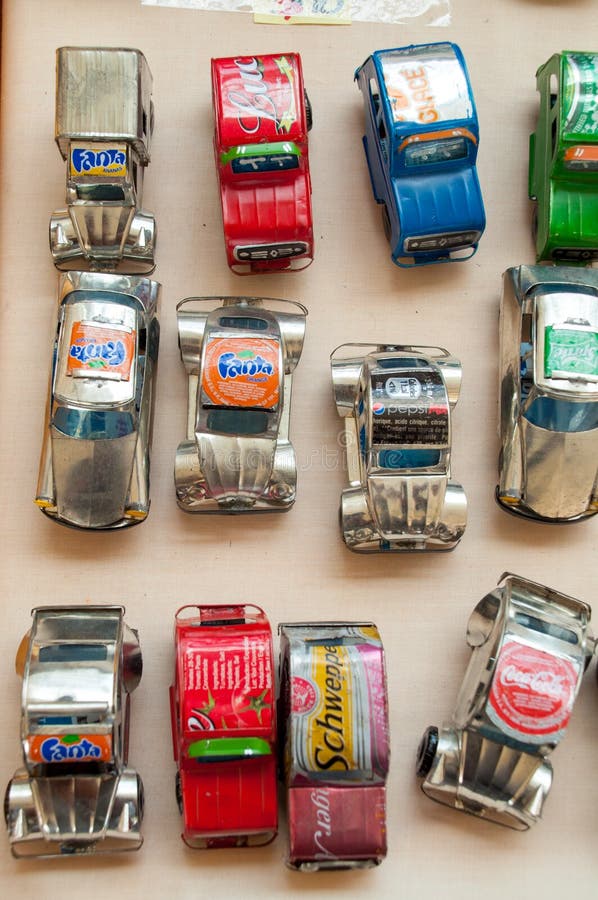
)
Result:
{"points": [[262, 116], [334, 722]]}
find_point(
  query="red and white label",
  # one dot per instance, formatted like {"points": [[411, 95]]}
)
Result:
{"points": [[532, 691]]}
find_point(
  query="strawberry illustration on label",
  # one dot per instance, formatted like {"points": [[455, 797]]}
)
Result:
{"points": [[532, 691]]}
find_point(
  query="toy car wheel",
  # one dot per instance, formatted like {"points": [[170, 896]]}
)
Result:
{"points": [[426, 751], [386, 222], [178, 792], [309, 118]]}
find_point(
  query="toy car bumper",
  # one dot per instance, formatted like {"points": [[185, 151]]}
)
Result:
{"points": [[67, 815]]}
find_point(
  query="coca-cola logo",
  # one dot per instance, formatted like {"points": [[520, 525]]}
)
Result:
{"points": [[532, 691]]}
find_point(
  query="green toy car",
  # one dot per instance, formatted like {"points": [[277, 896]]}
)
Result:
{"points": [[563, 160]]}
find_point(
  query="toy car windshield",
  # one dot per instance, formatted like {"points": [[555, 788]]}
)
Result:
{"points": [[224, 727], [549, 393], [76, 793], [104, 122], [240, 357], [421, 142], [94, 469], [530, 648], [396, 403]]}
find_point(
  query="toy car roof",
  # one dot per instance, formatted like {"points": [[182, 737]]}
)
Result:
{"points": [[73, 651], [426, 85], [276, 79]]}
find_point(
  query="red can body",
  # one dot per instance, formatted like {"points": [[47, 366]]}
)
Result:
{"points": [[260, 145], [224, 727]]}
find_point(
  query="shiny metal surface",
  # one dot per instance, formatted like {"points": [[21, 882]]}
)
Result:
{"points": [[233, 470], [548, 468], [104, 123], [94, 467], [400, 494], [76, 792], [530, 648]]}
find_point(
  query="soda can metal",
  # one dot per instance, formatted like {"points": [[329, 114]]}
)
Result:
{"points": [[333, 711], [104, 123], [76, 792], [530, 648]]}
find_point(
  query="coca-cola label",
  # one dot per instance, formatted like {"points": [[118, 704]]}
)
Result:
{"points": [[532, 691]]}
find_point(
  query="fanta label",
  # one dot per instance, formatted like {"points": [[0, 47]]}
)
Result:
{"points": [[100, 350], [338, 712], [105, 159], [532, 691], [69, 748], [242, 372]]}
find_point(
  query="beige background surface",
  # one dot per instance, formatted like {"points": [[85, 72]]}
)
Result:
{"points": [[296, 565]]}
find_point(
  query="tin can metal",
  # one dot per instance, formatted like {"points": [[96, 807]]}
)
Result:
{"points": [[104, 123], [531, 646], [334, 722]]}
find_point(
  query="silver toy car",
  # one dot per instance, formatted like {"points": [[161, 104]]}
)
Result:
{"points": [[548, 466], [396, 403], [76, 792], [531, 646], [240, 354], [94, 469], [104, 122]]}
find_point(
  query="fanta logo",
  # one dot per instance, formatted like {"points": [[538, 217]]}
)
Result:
{"points": [[111, 353], [56, 750], [230, 365], [86, 160]]}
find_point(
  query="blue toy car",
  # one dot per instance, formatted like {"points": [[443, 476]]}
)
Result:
{"points": [[421, 143]]}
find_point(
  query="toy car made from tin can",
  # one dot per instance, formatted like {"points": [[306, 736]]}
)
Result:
{"points": [[224, 726], [262, 116], [548, 465], [530, 648], [421, 143], [104, 122], [333, 712], [94, 469], [240, 354], [396, 402], [563, 160], [76, 792]]}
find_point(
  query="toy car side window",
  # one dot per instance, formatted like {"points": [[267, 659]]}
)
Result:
{"points": [[62, 653], [378, 116], [565, 416]]}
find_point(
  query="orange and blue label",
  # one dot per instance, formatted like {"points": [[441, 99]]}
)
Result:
{"points": [[96, 349], [103, 160], [242, 372]]}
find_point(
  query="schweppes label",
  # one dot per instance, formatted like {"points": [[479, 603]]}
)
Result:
{"points": [[337, 697]]}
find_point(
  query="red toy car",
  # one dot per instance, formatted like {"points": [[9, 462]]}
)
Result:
{"points": [[224, 726], [262, 116]]}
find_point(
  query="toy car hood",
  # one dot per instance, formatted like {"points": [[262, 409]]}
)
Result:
{"points": [[426, 202]]}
